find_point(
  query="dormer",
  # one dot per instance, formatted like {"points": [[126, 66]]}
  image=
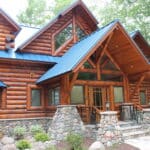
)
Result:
{"points": [[8, 31], [62, 32]]}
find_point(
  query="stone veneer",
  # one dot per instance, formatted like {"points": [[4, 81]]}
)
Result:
{"points": [[66, 120], [7, 125], [108, 132]]}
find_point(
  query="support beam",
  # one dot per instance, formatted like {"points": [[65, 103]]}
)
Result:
{"points": [[91, 63], [126, 88], [105, 47]]}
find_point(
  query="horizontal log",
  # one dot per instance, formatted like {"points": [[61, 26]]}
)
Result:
{"points": [[40, 44], [16, 88], [39, 48], [16, 102], [18, 79], [16, 106], [20, 97], [38, 51], [6, 27], [2, 48]]}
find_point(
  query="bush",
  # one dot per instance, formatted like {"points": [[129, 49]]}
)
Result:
{"points": [[19, 132], [41, 137], [75, 140], [36, 129], [23, 144]]}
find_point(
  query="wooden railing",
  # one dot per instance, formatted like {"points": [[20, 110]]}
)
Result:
{"points": [[89, 114]]}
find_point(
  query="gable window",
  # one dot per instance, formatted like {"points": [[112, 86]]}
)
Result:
{"points": [[143, 97], [80, 33], [54, 96], [77, 95], [118, 94], [63, 36], [35, 98]]}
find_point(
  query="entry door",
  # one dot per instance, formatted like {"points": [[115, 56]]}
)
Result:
{"points": [[98, 96]]}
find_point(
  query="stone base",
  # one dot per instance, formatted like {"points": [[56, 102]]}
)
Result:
{"points": [[7, 125], [66, 120], [108, 132]]}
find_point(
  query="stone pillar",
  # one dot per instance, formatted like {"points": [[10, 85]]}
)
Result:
{"points": [[65, 120], [108, 132]]}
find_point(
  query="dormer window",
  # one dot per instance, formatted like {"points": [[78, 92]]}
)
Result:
{"points": [[63, 36]]}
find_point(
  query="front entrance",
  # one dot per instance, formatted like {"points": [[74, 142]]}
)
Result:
{"points": [[98, 97]]}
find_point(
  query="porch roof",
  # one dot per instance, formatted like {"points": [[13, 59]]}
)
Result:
{"points": [[76, 53]]}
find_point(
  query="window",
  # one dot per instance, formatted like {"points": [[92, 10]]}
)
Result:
{"points": [[35, 97], [77, 95], [80, 33], [63, 36], [87, 76], [0, 97], [118, 94], [54, 96], [143, 99]]}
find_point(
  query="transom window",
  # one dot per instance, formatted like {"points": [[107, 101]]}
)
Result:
{"points": [[63, 36], [118, 94], [77, 95], [54, 96]]}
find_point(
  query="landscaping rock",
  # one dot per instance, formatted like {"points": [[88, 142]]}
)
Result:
{"points": [[38, 146], [97, 146], [9, 147], [7, 140]]}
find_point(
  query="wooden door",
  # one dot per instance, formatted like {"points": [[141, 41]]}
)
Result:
{"points": [[98, 96]]}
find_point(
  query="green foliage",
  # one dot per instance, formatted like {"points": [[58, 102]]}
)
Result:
{"points": [[41, 137], [19, 132], [75, 140], [35, 14], [134, 14], [23, 144], [36, 129]]}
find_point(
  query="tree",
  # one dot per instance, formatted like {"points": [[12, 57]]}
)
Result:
{"points": [[134, 14], [35, 14]]}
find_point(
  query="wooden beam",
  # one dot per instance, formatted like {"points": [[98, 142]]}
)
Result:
{"points": [[91, 63], [73, 80], [74, 27], [112, 59], [137, 86], [105, 47], [126, 88]]}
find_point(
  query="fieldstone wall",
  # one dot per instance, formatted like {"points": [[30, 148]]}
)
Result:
{"points": [[65, 121], [7, 125], [108, 132]]}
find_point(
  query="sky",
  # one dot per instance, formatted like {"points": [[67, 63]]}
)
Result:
{"points": [[14, 7]]}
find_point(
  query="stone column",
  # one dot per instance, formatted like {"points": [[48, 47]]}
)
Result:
{"points": [[108, 132], [65, 120]]}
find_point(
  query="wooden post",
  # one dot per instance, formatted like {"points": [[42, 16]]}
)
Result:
{"points": [[126, 88]]}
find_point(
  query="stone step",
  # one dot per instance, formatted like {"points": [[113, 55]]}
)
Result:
{"points": [[131, 135], [126, 123], [127, 129]]}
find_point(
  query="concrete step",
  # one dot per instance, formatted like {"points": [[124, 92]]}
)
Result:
{"points": [[131, 135], [127, 129]]}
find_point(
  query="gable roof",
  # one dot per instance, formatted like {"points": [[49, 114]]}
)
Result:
{"points": [[10, 20], [75, 4], [76, 53]]}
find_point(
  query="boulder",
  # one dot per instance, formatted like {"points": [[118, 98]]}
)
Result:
{"points": [[97, 146], [9, 147], [7, 140]]}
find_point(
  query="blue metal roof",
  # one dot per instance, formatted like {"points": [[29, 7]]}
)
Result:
{"points": [[3, 85], [11, 54], [76, 53]]}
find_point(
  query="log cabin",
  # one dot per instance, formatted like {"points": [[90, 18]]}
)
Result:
{"points": [[71, 61]]}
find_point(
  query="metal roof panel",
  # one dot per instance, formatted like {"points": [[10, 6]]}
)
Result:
{"points": [[76, 53]]}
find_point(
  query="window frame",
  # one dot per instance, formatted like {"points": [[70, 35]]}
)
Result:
{"points": [[54, 50], [145, 91], [83, 87], [47, 99], [29, 97], [122, 93]]}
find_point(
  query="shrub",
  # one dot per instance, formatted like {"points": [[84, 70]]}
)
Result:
{"points": [[36, 129], [19, 132], [41, 137], [23, 144], [75, 140]]}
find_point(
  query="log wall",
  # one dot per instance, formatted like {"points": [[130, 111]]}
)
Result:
{"points": [[6, 30], [144, 86], [17, 77]]}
